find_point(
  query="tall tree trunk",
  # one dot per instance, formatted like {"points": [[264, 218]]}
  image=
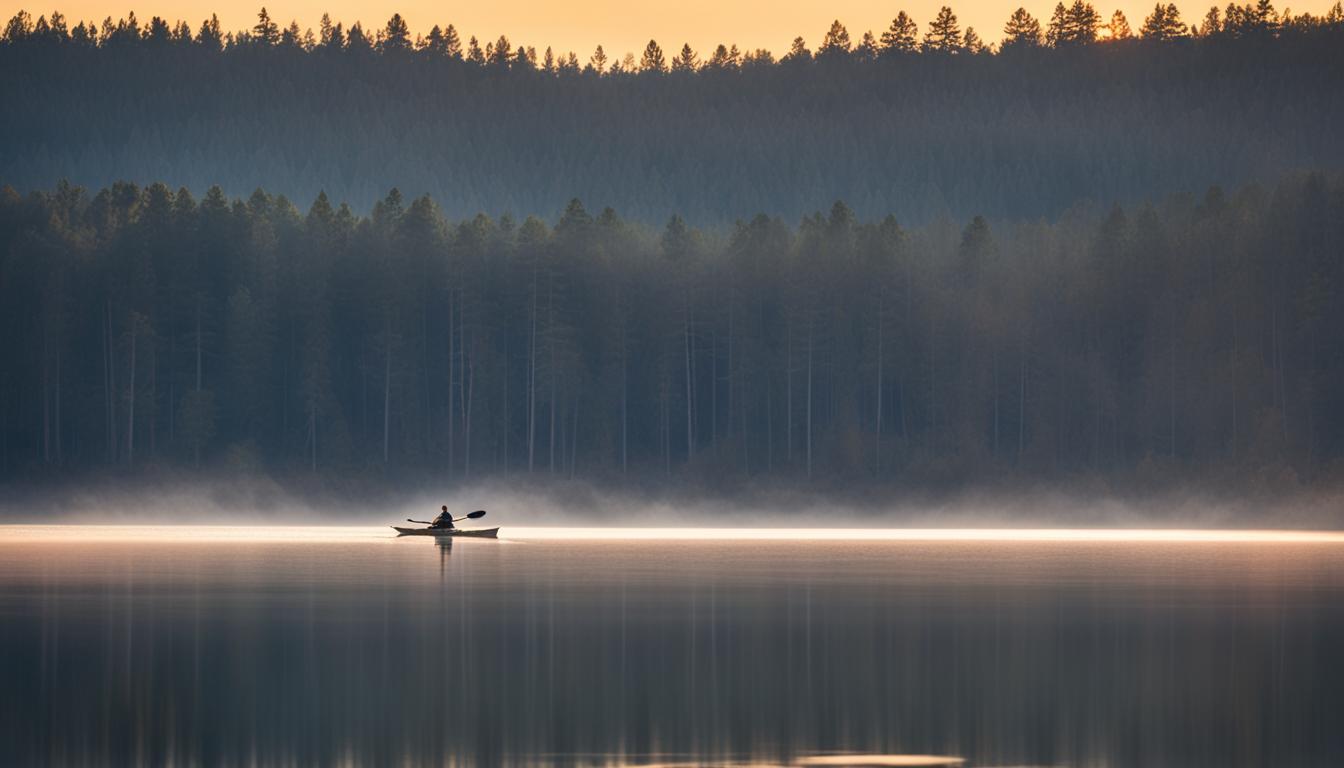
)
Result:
{"points": [[452, 407], [714, 391], [110, 383], [810, 332], [60, 453], [769, 428], [665, 388], [130, 408], [387, 389], [625, 397], [690, 393], [994, 356], [462, 363], [788, 389], [46, 397], [1171, 391], [1022, 395], [532, 380], [732, 311], [1233, 370], [574, 437], [196, 444], [466, 415], [506, 409], [933, 380], [877, 421], [550, 346], [312, 435]]}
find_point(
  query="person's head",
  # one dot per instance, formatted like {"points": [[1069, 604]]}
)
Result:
{"points": [[444, 508]]}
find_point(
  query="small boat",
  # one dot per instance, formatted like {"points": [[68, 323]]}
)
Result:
{"points": [[478, 533]]}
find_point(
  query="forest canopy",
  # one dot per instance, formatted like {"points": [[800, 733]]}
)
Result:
{"points": [[925, 120], [1193, 338]]}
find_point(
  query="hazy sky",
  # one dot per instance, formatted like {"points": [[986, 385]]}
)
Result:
{"points": [[620, 26]]}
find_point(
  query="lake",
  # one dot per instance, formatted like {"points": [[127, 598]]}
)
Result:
{"points": [[295, 646]]}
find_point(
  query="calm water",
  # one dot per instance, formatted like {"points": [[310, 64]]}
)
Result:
{"points": [[350, 647]]}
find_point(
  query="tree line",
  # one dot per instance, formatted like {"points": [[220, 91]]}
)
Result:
{"points": [[1027, 132], [1197, 337], [1075, 24]]}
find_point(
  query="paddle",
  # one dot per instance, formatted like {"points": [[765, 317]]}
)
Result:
{"points": [[478, 514]]}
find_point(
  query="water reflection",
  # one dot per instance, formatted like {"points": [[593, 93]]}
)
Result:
{"points": [[355, 647]]}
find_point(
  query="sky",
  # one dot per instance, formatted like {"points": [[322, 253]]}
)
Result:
{"points": [[620, 26]]}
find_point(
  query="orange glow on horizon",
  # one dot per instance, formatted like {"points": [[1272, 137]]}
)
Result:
{"points": [[620, 27]]}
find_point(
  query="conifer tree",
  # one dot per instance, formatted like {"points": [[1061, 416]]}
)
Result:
{"points": [[396, 36], [902, 36], [1213, 24], [972, 43], [944, 36], [501, 53], [720, 59], [266, 31], [598, 61], [798, 52], [686, 61], [836, 41], [1119, 29], [210, 37], [452, 44], [652, 61], [867, 49], [1021, 31], [1164, 23]]}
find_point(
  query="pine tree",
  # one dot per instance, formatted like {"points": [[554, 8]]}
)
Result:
{"points": [[1021, 31], [357, 43], [502, 53], [1084, 22], [944, 36], [452, 44], [598, 61], [652, 61], [867, 50], [902, 36], [266, 31], [1213, 24], [1164, 23], [210, 37], [720, 59], [972, 43], [396, 36], [1119, 29], [474, 53], [836, 42], [686, 61], [798, 52]]}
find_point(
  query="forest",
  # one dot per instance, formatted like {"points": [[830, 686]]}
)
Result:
{"points": [[1195, 337], [925, 119]]}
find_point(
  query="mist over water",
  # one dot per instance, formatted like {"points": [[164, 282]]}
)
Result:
{"points": [[214, 646]]}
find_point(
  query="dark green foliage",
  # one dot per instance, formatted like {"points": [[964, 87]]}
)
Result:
{"points": [[929, 135], [1195, 337]]}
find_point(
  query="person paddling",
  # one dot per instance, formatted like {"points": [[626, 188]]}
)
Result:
{"points": [[444, 519]]}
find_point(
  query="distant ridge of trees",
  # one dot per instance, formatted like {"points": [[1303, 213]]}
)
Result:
{"points": [[1194, 338], [1075, 24], [928, 120]]}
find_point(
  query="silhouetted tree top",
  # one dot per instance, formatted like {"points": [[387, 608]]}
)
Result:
{"points": [[1074, 24], [1193, 337]]}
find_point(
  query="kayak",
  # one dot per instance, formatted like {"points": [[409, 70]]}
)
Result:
{"points": [[479, 533]]}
